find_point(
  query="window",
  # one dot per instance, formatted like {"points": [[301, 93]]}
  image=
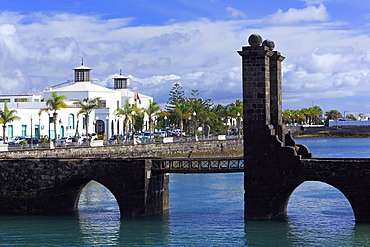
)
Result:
{"points": [[24, 129], [21, 100], [4, 100], [84, 121], [71, 121], [36, 100], [102, 103]]}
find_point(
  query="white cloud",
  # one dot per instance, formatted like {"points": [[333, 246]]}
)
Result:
{"points": [[321, 62], [292, 16], [234, 13]]}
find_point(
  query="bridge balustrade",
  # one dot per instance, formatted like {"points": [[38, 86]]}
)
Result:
{"points": [[198, 165]]}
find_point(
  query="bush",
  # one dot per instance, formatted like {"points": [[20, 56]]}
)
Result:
{"points": [[323, 132], [23, 142], [43, 140]]}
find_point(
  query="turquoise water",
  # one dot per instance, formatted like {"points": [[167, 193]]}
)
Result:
{"points": [[205, 210]]}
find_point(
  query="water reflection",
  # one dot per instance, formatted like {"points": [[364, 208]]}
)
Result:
{"points": [[99, 216], [319, 213]]}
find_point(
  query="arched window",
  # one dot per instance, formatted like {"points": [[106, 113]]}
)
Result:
{"points": [[71, 121]]}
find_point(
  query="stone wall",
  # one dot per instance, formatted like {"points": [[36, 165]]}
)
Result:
{"points": [[50, 185], [225, 147]]}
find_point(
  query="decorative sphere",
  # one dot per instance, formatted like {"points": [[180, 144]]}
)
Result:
{"points": [[269, 43], [255, 40]]}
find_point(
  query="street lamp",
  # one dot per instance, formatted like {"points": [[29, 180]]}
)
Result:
{"points": [[49, 126], [165, 122], [238, 124], [31, 133], [107, 118], [189, 127], [195, 124]]}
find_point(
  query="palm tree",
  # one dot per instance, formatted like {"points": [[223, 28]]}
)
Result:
{"points": [[54, 104], [126, 113], [333, 114], [151, 111], [182, 111], [7, 116], [87, 106]]}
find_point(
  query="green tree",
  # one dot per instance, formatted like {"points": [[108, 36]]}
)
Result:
{"points": [[333, 114], [151, 111], [182, 111], [7, 116], [316, 114], [54, 104], [176, 95], [87, 106], [127, 113], [352, 117]]}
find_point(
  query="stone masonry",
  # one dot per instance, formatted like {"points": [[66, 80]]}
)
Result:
{"points": [[50, 185], [265, 149], [274, 164]]}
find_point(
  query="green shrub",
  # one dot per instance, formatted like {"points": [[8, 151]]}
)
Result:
{"points": [[323, 132], [23, 142], [43, 140]]}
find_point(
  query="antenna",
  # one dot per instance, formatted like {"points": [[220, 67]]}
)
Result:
{"points": [[82, 63]]}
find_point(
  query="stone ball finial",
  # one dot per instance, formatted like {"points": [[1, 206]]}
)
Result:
{"points": [[255, 40], [269, 43]]}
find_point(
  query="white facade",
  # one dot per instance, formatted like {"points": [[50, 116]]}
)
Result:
{"points": [[102, 121]]}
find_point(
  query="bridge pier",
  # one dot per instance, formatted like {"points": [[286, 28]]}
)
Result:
{"points": [[270, 165]]}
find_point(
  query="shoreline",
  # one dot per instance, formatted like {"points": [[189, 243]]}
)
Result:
{"points": [[299, 132]]}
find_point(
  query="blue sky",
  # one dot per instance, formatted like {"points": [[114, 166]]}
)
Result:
{"points": [[157, 43]]}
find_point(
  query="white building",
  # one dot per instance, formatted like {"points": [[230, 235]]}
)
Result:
{"points": [[102, 121]]}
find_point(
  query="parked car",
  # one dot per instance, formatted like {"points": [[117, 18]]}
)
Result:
{"points": [[16, 140], [147, 135], [160, 134], [34, 140], [117, 137], [138, 135], [64, 141]]}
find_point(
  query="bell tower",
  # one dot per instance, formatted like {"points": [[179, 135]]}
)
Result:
{"points": [[82, 73], [120, 82]]}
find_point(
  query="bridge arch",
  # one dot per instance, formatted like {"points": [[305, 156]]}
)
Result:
{"points": [[318, 196], [93, 195], [66, 197]]}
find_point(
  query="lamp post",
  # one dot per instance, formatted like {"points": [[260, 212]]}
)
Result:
{"points": [[189, 127], [195, 125], [238, 124], [31, 133], [165, 122], [107, 118], [49, 126], [39, 128]]}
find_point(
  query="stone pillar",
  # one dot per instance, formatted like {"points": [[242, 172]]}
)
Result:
{"points": [[256, 92], [266, 161], [276, 90]]}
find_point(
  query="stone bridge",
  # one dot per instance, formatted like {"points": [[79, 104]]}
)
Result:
{"points": [[140, 185]]}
